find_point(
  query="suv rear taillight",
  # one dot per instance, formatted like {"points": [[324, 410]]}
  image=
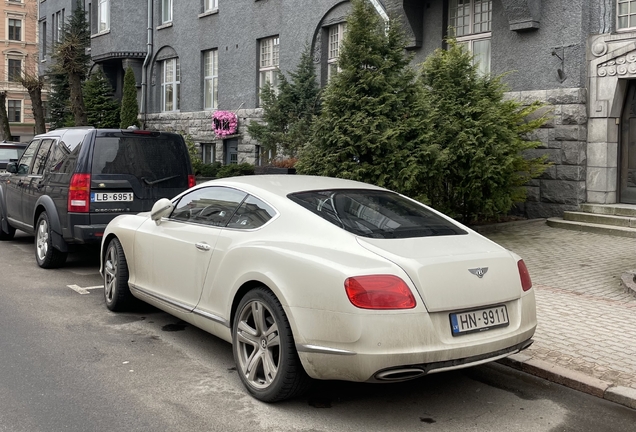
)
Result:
{"points": [[192, 181], [379, 292], [526, 283], [79, 193]]}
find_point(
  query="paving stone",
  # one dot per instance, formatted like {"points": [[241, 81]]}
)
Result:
{"points": [[586, 319]]}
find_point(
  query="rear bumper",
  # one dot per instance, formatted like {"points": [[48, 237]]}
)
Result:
{"points": [[393, 347], [88, 234]]}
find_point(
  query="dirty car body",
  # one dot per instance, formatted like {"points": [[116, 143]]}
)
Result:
{"points": [[321, 277]]}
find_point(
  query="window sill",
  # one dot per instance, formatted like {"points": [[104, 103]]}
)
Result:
{"points": [[163, 26], [208, 13], [105, 32]]}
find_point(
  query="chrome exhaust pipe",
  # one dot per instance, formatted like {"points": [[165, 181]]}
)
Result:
{"points": [[395, 375]]}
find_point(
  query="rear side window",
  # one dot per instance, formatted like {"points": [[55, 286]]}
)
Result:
{"points": [[253, 213], [155, 160], [375, 214]]}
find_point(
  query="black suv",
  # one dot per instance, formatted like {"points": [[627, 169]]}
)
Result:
{"points": [[70, 183]]}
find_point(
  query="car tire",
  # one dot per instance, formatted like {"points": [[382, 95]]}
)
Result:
{"points": [[7, 235], [264, 351], [116, 291], [45, 254]]}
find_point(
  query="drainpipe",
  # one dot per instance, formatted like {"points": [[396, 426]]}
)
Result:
{"points": [[144, 71]]}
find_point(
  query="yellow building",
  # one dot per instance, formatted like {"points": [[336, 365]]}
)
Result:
{"points": [[19, 44]]}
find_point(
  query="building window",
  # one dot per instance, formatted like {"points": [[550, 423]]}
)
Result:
{"points": [[15, 29], [58, 26], [14, 111], [626, 14], [210, 79], [170, 85], [469, 23], [166, 11], [269, 62], [44, 49], [336, 33], [14, 69], [210, 5], [103, 16], [208, 153]]}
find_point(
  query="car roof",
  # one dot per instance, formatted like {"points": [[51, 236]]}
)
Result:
{"points": [[283, 184]]}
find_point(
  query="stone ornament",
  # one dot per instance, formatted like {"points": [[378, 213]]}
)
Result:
{"points": [[621, 66]]}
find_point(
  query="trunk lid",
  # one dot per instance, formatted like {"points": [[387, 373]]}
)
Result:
{"points": [[439, 267]]}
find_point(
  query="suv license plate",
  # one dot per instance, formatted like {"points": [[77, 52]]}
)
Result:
{"points": [[111, 196], [478, 320]]}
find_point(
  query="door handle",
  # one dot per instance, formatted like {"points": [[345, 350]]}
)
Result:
{"points": [[203, 246]]}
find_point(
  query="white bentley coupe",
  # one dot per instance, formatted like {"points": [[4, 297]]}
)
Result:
{"points": [[323, 278]]}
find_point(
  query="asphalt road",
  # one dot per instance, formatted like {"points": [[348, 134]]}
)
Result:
{"points": [[69, 364]]}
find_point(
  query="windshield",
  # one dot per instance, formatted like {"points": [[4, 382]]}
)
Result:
{"points": [[154, 160], [375, 214]]}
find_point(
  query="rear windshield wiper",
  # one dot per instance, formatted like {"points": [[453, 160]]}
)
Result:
{"points": [[158, 181]]}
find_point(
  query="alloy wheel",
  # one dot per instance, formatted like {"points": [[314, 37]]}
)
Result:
{"points": [[110, 273], [42, 239], [258, 344]]}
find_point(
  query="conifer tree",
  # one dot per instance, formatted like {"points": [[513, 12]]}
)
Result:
{"points": [[477, 138], [72, 61], [59, 102], [129, 106], [369, 122], [288, 114], [102, 110]]}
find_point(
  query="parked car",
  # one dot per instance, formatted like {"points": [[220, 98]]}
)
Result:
{"points": [[70, 183], [314, 277], [10, 151]]}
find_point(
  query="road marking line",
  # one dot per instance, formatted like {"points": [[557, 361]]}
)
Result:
{"points": [[81, 290]]}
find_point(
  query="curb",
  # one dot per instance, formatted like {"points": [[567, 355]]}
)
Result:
{"points": [[575, 380]]}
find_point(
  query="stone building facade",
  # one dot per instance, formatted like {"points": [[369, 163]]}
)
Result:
{"points": [[18, 34], [193, 57]]}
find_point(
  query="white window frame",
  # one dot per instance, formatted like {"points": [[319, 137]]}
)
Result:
{"points": [[624, 10], [17, 20], [166, 11], [210, 5], [334, 36], [269, 55], [472, 31], [103, 16], [208, 152], [170, 81], [21, 110], [210, 79]]}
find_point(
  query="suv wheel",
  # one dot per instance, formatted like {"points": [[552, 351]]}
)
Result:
{"points": [[45, 254]]}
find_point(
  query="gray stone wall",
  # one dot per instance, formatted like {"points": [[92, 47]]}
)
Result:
{"points": [[564, 142], [199, 126]]}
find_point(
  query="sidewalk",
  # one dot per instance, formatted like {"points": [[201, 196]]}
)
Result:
{"points": [[586, 333]]}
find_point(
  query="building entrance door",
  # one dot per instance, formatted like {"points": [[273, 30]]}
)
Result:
{"points": [[627, 147]]}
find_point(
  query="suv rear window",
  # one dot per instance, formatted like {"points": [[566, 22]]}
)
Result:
{"points": [[7, 154], [158, 160], [375, 214]]}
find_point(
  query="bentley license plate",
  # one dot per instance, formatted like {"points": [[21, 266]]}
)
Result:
{"points": [[111, 196], [478, 320]]}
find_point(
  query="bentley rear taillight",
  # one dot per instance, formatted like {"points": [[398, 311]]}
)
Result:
{"points": [[79, 193], [379, 292], [526, 283]]}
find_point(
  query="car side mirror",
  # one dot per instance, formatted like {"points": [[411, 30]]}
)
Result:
{"points": [[160, 209], [12, 167]]}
